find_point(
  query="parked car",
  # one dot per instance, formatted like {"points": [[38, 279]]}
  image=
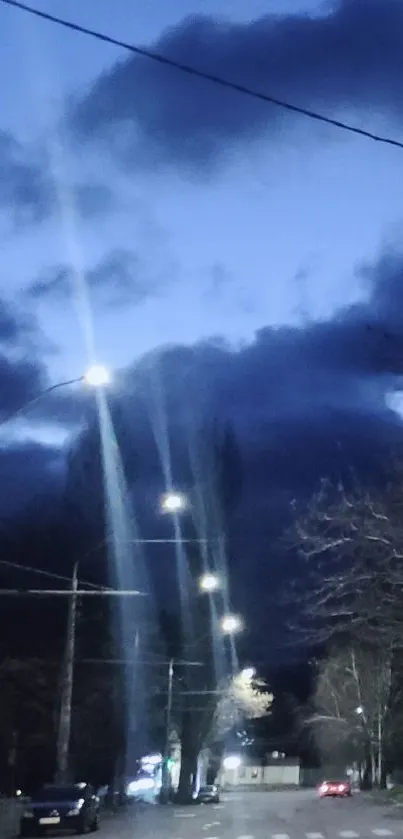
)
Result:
{"points": [[209, 794], [335, 789], [71, 807]]}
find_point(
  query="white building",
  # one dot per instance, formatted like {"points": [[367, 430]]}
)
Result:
{"points": [[277, 772]]}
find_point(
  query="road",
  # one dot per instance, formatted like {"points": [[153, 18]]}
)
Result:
{"points": [[262, 815]]}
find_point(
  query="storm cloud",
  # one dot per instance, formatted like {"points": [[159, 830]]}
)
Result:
{"points": [[31, 476], [20, 381], [348, 366], [15, 326], [305, 403], [348, 60]]}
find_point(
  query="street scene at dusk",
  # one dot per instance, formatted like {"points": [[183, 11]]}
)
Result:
{"points": [[201, 419]]}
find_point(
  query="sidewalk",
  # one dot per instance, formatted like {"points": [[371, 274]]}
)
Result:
{"points": [[10, 811]]}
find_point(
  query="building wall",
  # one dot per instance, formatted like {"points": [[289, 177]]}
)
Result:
{"points": [[278, 774]]}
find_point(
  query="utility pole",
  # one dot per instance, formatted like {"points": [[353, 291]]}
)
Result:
{"points": [[165, 780], [63, 738]]}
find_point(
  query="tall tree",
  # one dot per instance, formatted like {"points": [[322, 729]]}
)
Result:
{"points": [[352, 545], [353, 707], [28, 719], [353, 601]]}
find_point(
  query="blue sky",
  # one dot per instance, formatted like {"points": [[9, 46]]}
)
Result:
{"points": [[274, 235]]}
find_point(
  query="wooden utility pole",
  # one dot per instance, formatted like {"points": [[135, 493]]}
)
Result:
{"points": [[64, 732]]}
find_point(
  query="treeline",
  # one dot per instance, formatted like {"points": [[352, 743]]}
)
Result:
{"points": [[352, 595]]}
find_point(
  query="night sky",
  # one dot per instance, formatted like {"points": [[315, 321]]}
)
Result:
{"points": [[245, 258]]}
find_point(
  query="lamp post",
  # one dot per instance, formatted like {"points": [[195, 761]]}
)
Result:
{"points": [[248, 674], [64, 730], [231, 624], [209, 582], [173, 502], [96, 376]]}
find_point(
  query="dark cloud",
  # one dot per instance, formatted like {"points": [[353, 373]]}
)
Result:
{"points": [[28, 193], [22, 372], [349, 59], [348, 364], [25, 189], [14, 325], [20, 332], [305, 403], [120, 277], [30, 475], [20, 381]]}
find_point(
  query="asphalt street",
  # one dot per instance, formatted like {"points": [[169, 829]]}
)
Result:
{"points": [[262, 815]]}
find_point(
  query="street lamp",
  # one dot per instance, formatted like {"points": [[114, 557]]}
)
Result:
{"points": [[173, 502], [232, 762], [248, 673], [209, 582], [96, 376], [230, 624]]}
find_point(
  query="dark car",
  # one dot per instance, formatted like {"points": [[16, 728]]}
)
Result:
{"points": [[66, 807], [335, 789], [209, 794]]}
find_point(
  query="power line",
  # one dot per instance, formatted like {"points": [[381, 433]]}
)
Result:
{"points": [[43, 592], [48, 574], [157, 662], [211, 77]]}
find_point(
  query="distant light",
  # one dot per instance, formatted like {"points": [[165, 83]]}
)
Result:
{"points": [[140, 785], [173, 502], [248, 673], [209, 582], [151, 760], [232, 762], [231, 624], [97, 376], [359, 710], [18, 793]]}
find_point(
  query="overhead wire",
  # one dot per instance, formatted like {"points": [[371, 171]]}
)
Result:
{"points": [[211, 77], [48, 574]]}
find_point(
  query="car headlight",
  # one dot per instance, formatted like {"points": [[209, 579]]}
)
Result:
{"points": [[76, 810]]}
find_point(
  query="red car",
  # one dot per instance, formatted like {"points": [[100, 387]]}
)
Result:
{"points": [[334, 789]]}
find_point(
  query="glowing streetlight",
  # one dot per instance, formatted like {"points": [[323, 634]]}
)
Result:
{"points": [[173, 502], [230, 624], [209, 582], [232, 762], [97, 376], [248, 673]]}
